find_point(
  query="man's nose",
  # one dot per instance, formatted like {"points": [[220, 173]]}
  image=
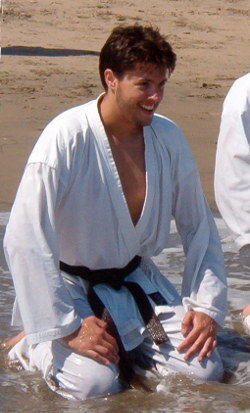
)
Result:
{"points": [[155, 96]]}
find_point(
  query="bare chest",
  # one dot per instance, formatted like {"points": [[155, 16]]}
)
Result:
{"points": [[130, 164]]}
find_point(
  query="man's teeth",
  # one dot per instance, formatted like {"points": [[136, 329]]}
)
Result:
{"points": [[148, 107]]}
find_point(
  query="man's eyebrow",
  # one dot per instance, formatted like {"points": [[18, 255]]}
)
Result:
{"points": [[148, 79]]}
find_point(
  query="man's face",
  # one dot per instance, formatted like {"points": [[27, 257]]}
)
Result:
{"points": [[138, 93]]}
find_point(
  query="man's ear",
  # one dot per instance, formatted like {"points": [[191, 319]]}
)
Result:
{"points": [[110, 79]]}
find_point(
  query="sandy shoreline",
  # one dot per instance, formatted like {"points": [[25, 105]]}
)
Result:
{"points": [[42, 75]]}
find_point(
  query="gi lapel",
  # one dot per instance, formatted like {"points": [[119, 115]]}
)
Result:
{"points": [[113, 181]]}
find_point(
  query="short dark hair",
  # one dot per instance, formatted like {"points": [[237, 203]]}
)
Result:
{"points": [[128, 46]]}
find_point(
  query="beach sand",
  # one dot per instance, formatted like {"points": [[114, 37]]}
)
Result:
{"points": [[42, 73]]}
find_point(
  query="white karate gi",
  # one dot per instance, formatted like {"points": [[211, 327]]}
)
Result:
{"points": [[70, 207], [232, 167]]}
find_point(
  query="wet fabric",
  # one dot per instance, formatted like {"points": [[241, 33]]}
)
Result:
{"points": [[79, 378]]}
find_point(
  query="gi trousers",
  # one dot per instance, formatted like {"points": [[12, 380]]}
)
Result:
{"points": [[80, 378]]}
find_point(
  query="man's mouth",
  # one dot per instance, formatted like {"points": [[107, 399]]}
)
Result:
{"points": [[149, 108]]}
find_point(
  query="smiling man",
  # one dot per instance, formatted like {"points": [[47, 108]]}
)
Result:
{"points": [[94, 205]]}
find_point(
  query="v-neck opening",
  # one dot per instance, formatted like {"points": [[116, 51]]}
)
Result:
{"points": [[123, 210], [118, 179], [150, 174]]}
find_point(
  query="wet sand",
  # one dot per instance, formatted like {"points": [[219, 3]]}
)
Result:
{"points": [[50, 63]]}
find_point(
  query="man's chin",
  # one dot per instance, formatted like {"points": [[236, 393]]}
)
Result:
{"points": [[148, 121]]}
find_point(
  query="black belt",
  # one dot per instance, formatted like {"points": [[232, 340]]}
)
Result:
{"points": [[115, 277]]}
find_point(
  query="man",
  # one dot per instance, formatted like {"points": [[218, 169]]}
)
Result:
{"points": [[232, 170], [97, 195]]}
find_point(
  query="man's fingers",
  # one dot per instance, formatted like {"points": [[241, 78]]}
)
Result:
{"points": [[93, 340], [99, 349], [95, 329], [101, 355], [107, 354], [207, 349], [202, 346], [197, 342], [106, 340], [189, 340], [106, 336], [100, 323], [103, 339], [192, 350], [199, 331], [112, 341]]}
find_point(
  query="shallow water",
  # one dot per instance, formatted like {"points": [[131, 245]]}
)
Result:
{"points": [[26, 392]]}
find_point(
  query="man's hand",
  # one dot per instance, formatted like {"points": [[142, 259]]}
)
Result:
{"points": [[199, 331], [92, 340]]}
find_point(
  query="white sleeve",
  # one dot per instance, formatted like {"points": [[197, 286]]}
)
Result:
{"points": [[232, 167], [204, 286], [31, 251]]}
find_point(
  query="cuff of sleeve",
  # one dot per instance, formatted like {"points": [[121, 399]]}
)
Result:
{"points": [[217, 315], [55, 333]]}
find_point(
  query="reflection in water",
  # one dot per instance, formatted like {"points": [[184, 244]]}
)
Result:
{"points": [[26, 392]]}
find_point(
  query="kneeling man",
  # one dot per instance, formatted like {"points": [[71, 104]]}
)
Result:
{"points": [[94, 205]]}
